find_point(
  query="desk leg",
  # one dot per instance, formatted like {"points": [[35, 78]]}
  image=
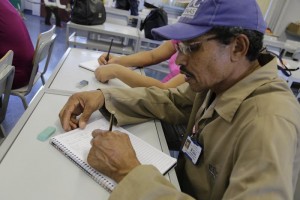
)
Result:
{"points": [[67, 35]]}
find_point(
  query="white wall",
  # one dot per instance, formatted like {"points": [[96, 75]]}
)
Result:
{"points": [[264, 5], [280, 13], [291, 14]]}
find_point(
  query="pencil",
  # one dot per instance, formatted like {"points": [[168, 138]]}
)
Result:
{"points": [[111, 121], [107, 56]]}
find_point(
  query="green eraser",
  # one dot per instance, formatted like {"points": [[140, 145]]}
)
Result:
{"points": [[46, 133]]}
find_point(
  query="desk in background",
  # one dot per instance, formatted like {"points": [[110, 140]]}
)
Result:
{"points": [[119, 16], [146, 44], [294, 79], [99, 37], [289, 46], [68, 74]]}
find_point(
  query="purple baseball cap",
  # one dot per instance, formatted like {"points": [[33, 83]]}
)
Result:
{"points": [[202, 15]]}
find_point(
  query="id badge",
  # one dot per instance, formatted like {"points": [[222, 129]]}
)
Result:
{"points": [[192, 149]]}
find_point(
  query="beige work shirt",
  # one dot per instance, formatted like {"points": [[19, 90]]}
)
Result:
{"points": [[249, 135]]}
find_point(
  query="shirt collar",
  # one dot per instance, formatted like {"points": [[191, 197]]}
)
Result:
{"points": [[228, 103]]}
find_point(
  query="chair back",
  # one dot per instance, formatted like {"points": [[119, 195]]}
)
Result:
{"points": [[7, 72], [54, 4], [44, 36], [42, 51]]}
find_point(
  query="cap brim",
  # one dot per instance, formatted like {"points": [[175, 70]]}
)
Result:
{"points": [[179, 31]]}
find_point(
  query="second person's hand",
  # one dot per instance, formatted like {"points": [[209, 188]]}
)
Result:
{"points": [[102, 59], [105, 73]]}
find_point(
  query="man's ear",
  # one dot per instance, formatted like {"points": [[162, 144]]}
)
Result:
{"points": [[239, 47]]}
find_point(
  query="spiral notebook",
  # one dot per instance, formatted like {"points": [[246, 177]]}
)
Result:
{"points": [[75, 145], [91, 65]]}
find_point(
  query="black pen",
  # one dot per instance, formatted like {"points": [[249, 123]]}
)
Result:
{"points": [[111, 121], [107, 56]]}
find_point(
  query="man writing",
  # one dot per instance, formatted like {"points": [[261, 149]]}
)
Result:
{"points": [[242, 122]]}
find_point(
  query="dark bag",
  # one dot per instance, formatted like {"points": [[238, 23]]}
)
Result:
{"points": [[88, 12], [156, 18], [123, 4]]}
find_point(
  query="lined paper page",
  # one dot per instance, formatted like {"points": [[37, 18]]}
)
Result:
{"points": [[91, 65], [77, 143]]}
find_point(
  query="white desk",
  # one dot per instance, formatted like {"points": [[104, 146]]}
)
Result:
{"points": [[68, 74], [99, 36], [119, 16], [31, 169], [275, 44], [295, 77], [146, 44]]}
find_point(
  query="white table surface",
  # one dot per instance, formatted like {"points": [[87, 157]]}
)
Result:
{"points": [[31, 169], [68, 74], [108, 28]]}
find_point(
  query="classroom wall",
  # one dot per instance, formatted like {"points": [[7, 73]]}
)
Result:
{"points": [[264, 5], [291, 14]]}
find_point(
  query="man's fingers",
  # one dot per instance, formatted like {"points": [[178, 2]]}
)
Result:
{"points": [[97, 132], [64, 117], [87, 112]]}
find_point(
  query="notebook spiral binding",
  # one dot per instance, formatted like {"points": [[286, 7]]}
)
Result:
{"points": [[94, 174]]}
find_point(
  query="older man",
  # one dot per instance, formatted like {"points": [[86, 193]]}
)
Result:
{"points": [[243, 129]]}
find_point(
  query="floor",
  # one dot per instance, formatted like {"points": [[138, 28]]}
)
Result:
{"points": [[36, 25]]}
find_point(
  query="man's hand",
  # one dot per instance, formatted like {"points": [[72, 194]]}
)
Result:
{"points": [[84, 103], [112, 154]]}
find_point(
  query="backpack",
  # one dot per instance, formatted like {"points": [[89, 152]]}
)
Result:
{"points": [[88, 12], [156, 18]]}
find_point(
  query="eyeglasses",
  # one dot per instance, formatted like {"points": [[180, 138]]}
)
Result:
{"points": [[187, 49]]}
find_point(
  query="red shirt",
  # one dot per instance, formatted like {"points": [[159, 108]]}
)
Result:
{"points": [[14, 36]]}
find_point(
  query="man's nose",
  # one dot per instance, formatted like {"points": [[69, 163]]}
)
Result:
{"points": [[181, 59]]}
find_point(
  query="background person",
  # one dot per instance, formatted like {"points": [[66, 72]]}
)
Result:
{"points": [[117, 67], [131, 5], [141, 59], [14, 36], [243, 117], [49, 11], [133, 79]]}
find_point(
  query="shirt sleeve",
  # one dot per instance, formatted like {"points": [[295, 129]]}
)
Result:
{"points": [[145, 182], [136, 105]]}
